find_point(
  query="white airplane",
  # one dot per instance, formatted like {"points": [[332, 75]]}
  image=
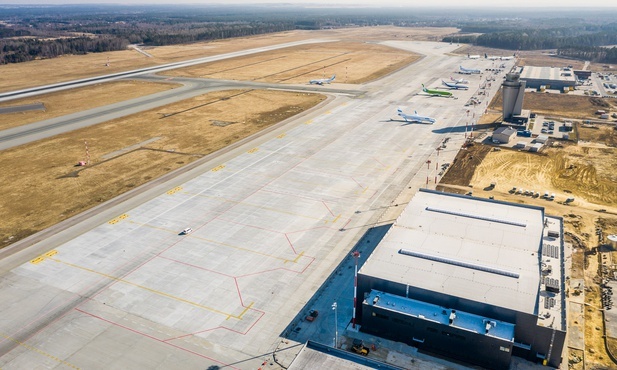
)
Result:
{"points": [[468, 71], [454, 85], [494, 57], [415, 117], [322, 80], [473, 56], [459, 80]]}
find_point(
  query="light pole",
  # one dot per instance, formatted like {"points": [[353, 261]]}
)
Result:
{"points": [[335, 325]]}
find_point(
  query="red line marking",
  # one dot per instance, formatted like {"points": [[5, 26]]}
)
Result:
{"points": [[59, 305], [356, 181], [153, 338], [378, 161], [329, 210], [347, 223], [262, 314], [290, 244]]}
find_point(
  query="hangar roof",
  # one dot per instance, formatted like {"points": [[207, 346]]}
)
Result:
{"points": [[547, 74], [478, 249]]}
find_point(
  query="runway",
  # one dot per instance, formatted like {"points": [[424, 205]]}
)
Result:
{"points": [[191, 87], [38, 90], [272, 218]]}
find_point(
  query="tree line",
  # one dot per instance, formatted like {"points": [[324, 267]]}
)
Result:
{"points": [[577, 42]]}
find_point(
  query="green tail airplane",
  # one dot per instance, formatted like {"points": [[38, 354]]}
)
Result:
{"points": [[436, 92]]}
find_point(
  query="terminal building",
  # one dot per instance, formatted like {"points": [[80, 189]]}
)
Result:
{"points": [[542, 78], [474, 279]]}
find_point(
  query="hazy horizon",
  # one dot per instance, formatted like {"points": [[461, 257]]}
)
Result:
{"points": [[346, 3]]}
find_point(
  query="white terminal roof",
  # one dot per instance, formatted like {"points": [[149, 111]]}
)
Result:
{"points": [[478, 249], [546, 73]]}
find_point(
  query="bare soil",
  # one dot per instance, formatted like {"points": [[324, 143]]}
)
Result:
{"points": [[41, 185], [76, 100]]}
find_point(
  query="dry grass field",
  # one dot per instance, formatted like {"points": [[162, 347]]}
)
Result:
{"points": [[41, 186], [77, 100], [71, 67], [352, 62]]}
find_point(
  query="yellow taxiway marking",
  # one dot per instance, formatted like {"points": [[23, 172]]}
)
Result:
{"points": [[363, 191], [41, 352], [43, 256], [218, 168], [299, 256], [333, 221], [254, 150], [151, 290], [243, 311], [174, 190], [328, 112], [282, 135], [308, 122], [118, 219]]}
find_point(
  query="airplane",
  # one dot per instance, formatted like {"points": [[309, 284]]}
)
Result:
{"points": [[415, 117], [454, 85], [323, 80], [436, 92], [497, 57], [459, 80], [468, 71], [473, 56]]}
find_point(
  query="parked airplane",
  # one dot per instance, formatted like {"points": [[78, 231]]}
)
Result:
{"points": [[494, 57], [323, 80], [468, 71], [415, 117], [436, 92], [459, 80], [454, 85], [473, 56]]}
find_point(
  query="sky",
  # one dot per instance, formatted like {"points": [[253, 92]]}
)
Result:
{"points": [[405, 3]]}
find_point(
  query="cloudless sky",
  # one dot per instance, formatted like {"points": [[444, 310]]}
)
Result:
{"points": [[404, 3]]}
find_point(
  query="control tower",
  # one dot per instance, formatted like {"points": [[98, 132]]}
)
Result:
{"points": [[513, 91]]}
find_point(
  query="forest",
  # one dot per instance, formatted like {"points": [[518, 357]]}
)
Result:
{"points": [[38, 32]]}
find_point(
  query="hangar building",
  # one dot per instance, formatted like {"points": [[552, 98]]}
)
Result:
{"points": [[549, 77], [504, 134], [471, 278]]}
